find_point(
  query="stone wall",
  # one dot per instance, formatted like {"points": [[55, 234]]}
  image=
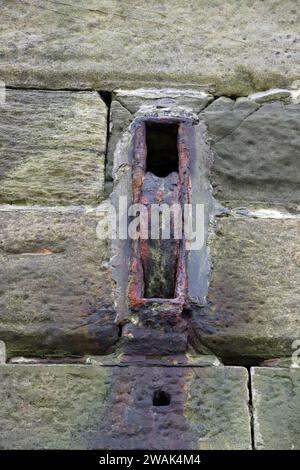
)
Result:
{"points": [[229, 48], [78, 371]]}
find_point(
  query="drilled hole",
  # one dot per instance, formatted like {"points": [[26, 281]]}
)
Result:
{"points": [[162, 151], [161, 398]]}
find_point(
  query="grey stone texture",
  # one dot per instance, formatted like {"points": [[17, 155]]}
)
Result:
{"points": [[56, 295], [276, 412], [253, 301], [61, 287], [2, 352], [251, 309], [275, 94], [232, 48], [119, 120], [256, 152], [133, 100], [52, 147], [95, 407], [51, 407]]}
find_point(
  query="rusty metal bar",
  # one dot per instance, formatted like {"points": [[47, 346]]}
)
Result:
{"points": [[145, 191]]}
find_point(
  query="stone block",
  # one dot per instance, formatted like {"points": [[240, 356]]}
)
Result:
{"points": [[56, 295], [129, 407], [51, 407], [52, 147], [256, 152], [227, 48], [276, 413], [133, 100], [253, 301], [120, 119]]}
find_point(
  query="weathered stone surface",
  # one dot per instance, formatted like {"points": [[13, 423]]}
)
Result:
{"points": [[2, 352], [190, 359], [56, 293], [275, 94], [257, 152], [277, 362], [254, 294], [133, 100], [52, 147], [155, 338], [224, 115], [126, 105], [51, 407], [216, 408], [120, 119], [228, 47], [112, 407], [276, 412]]}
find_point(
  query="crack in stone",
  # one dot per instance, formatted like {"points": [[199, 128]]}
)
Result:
{"points": [[117, 98], [237, 127], [250, 407]]}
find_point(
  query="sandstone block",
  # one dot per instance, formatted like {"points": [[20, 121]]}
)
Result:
{"points": [[276, 394], [129, 407], [254, 295], [221, 46], [52, 147], [56, 295], [256, 152]]}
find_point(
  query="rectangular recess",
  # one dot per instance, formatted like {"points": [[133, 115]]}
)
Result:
{"points": [[162, 148], [173, 147], [161, 187]]}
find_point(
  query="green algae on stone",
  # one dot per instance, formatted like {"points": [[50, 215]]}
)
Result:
{"points": [[52, 148], [232, 48]]}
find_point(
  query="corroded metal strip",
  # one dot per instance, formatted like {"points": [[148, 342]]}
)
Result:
{"points": [[140, 248]]}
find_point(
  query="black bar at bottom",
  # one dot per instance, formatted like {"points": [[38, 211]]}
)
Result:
{"points": [[140, 458]]}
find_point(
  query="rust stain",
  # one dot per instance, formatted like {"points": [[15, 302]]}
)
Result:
{"points": [[140, 248]]}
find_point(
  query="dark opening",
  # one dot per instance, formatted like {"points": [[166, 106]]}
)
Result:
{"points": [[243, 361], [107, 98], [161, 398], [162, 151], [120, 331]]}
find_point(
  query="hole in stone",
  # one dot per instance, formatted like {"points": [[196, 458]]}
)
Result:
{"points": [[162, 151], [106, 97], [242, 361], [161, 398]]}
